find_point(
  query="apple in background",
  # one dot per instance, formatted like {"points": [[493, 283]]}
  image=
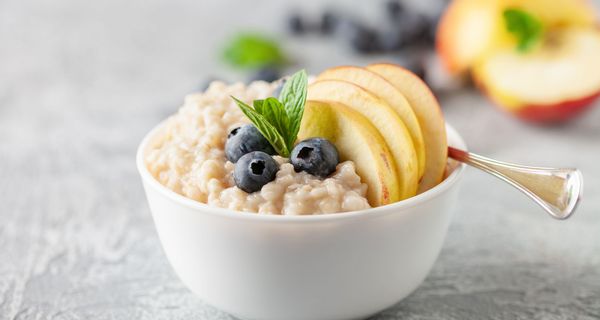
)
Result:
{"points": [[470, 29], [550, 84], [466, 31], [358, 140]]}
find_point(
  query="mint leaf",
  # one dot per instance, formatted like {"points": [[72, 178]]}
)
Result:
{"points": [[525, 27], [266, 129], [250, 50], [274, 112], [258, 104], [293, 97], [279, 120]]}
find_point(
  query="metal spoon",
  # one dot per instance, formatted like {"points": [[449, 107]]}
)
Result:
{"points": [[556, 190]]}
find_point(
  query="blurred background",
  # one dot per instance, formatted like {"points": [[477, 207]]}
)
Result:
{"points": [[82, 82]]}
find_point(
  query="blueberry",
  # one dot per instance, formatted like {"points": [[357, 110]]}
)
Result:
{"points": [[296, 24], [362, 38], [254, 170], [316, 156], [392, 39], [430, 31], [415, 27], [245, 139], [267, 73], [394, 9], [328, 23]]}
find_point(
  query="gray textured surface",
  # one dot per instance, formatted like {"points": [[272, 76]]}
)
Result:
{"points": [[81, 82]]}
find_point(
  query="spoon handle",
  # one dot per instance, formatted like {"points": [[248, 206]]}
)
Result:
{"points": [[556, 190]]}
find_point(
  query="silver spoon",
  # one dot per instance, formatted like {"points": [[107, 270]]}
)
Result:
{"points": [[556, 190]]}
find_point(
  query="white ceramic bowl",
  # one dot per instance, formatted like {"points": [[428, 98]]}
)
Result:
{"points": [[334, 266]]}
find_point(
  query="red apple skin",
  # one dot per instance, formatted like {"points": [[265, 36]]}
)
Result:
{"points": [[557, 113], [544, 114]]}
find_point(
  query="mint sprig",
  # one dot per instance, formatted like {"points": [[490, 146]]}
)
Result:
{"points": [[527, 28], [278, 120]]}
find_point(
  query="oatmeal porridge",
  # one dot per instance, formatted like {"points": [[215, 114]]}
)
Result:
{"points": [[189, 158]]}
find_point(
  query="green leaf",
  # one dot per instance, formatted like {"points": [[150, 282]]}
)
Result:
{"points": [[249, 50], [525, 27], [266, 129], [293, 97], [258, 104], [274, 112]]}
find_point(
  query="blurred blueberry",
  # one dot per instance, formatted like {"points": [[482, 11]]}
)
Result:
{"points": [[413, 28], [423, 24], [405, 32], [430, 31], [428, 36], [362, 38], [267, 73], [392, 39], [328, 23], [296, 24], [394, 9]]}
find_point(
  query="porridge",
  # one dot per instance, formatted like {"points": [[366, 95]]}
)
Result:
{"points": [[351, 139], [189, 158]]}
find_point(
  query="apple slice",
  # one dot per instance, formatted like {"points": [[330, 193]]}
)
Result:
{"points": [[550, 83], [471, 29], [430, 117], [383, 118], [388, 93], [357, 140]]}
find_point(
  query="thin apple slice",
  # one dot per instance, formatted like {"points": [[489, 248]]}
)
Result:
{"points": [[388, 93], [357, 140], [562, 75], [430, 117], [383, 118]]}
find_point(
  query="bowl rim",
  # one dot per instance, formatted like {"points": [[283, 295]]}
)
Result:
{"points": [[396, 207]]}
